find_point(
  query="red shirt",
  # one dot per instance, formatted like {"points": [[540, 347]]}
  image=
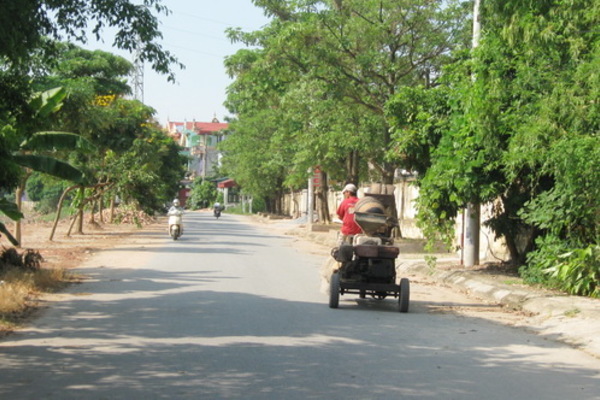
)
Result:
{"points": [[346, 213]]}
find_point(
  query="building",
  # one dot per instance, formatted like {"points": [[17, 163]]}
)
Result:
{"points": [[199, 141]]}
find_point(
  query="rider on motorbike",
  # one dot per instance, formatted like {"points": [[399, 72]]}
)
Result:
{"points": [[175, 216], [217, 208], [175, 208]]}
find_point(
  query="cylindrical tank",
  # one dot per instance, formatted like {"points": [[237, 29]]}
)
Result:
{"points": [[369, 205], [369, 214]]}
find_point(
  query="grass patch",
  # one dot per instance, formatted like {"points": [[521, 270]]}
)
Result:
{"points": [[236, 210], [512, 282], [572, 313], [20, 289]]}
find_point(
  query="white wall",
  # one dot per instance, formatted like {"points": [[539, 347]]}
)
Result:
{"points": [[405, 193]]}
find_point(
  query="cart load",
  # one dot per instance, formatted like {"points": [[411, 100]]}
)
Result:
{"points": [[368, 266]]}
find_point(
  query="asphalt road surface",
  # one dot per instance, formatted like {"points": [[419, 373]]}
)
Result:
{"points": [[234, 311]]}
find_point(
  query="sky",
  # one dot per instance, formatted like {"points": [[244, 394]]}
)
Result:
{"points": [[195, 33]]}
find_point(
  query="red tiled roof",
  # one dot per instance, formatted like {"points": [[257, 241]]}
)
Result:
{"points": [[228, 183], [202, 128]]}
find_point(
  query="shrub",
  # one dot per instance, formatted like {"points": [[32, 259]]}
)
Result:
{"points": [[561, 265], [203, 194]]}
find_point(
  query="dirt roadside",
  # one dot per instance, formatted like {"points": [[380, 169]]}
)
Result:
{"points": [[67, 252], [71, 251]]}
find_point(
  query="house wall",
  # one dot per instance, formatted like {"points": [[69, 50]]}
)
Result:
{"points": [[295, 204]]}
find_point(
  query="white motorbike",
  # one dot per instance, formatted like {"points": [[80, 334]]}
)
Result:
{"points": [[175, 223]]}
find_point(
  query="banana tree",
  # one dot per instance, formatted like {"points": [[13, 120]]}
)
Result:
{"points": [[37, 153]]}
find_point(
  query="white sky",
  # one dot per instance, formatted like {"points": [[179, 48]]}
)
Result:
{"points": [[195, 33]]}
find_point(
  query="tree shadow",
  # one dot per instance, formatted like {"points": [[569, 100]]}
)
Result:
{"points": [[162, 335]]}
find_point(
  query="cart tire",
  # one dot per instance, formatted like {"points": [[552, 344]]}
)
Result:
{"points": [[334, 290], [404, 297]]}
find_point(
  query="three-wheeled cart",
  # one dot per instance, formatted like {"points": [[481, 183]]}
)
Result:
{"points": [[367, 267]]}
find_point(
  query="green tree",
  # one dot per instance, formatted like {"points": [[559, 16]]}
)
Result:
{"points": [[314, 91], [203, 194], [28, 28], [149, 172], [362, 52], [133, 159], [28, 33], [520, 129]]}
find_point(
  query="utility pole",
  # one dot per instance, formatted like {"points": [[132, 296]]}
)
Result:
{"points": [[472, 215], [138, 73]]}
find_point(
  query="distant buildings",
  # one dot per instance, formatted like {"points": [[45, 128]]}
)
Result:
{"points": [[199, 141]]}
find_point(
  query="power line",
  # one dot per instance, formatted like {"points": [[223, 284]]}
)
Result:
{"points": [[194, 50], [196, 33], [214, 21]]}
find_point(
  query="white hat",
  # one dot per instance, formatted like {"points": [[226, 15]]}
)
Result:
{"points": [[349, 188]]}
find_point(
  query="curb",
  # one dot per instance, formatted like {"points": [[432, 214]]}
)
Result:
{"points": [[573, 320]]}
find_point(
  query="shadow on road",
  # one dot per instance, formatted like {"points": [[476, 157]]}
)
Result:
{"points": [[171, 338]]}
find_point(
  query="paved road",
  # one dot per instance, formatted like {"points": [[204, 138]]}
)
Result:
{"points": [[234, 311]]}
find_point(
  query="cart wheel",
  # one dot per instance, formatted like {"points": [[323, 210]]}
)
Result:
{"points": [[403, 298], [334, 290]]}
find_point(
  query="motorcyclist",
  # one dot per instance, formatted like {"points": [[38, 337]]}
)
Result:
{"points": [[176, 211], [217, 208], [175, 208]]}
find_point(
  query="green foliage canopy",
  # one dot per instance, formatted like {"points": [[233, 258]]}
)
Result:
{"points": [[520, 123], [25, 27], [317, 85]]}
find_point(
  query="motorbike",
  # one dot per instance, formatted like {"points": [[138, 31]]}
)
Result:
{"points": [[175, 223], [217, 211]]}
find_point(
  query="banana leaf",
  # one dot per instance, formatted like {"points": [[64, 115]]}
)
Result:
{"points": [[10, 237], [56, 140], [50, 166], [10, 210], [48, 102]]}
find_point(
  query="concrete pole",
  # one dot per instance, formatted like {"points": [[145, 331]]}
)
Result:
{"points": [[471, 235], [476, 24], [205, 158], [472, 220]]}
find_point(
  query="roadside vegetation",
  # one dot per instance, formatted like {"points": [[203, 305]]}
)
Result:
{"points": [[70, 138], [203, 194], [362, 88], [22, 280]]}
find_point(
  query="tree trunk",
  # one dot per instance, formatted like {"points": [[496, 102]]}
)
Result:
{"points": [[93, 210], [111, 217], [59, 209], [278, 201], [352, 167], [322, 203], [387, 176], [513, 251], [80, 211], [19, 201], [101, 208], [73, 220]]}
